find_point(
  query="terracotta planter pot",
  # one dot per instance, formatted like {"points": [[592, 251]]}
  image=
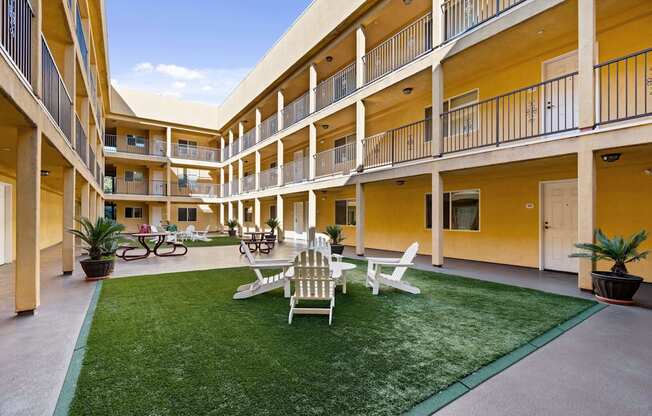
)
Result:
{"points": [[337, 248], [97, 269], [612, 288]]}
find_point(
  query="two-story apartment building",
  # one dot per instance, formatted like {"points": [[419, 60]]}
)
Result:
{"points": [[497, 131], [54, 87]]}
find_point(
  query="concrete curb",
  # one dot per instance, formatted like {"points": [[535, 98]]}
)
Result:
{"points": [[460, 388]]}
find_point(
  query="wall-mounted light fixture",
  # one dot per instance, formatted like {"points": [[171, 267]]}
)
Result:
{"points": [[45, 173], [611, 157], [329, 58], [408, 90], [400, 182]]}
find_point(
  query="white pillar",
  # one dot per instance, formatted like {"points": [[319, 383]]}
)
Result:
{"points": [[280, 150], [257, 215], [28, 219], [359, 219], [259, 119], [359, 132], [68, 243], [231, 188], [437, 107], [168, 142], [438, 24], [312, 215], [312, 75], [222, 146], [240, 134], [240, 175], [312, 151], [586, 61], [231, 151], [437, 217], [85, 192], [240, 216], [229, 206], [92, 209], [222, 182], [280, 105], [257, 170], [99, 205], [279, 217], [586, 195], [360, 50]]}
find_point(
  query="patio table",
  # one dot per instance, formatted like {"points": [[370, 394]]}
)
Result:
{"points": [[257, 238], [160, 240]]}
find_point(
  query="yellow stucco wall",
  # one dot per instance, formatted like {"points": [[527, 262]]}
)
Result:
{"points": [[207, 215]]}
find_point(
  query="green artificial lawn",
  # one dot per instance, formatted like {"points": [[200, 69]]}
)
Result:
{"points": [[215, 241], [177, 344]]}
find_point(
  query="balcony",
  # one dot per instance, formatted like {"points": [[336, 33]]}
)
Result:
{"points": [[296, 171], [461, 16], [338, 160], [226, 192], [235, 147], [99, 175], [269, 127], [248, 139], [624, 88], [402, 144], [248, 184], [118, 185], [195, 189], [268, 178], [81, 141], [81, 38], [55, 95], [296, 111], [200, 153], [234, 187], [16, 33], [226, 152], [91, 160], [404, 47], [542, 109], [133, 145], [336, 87]]}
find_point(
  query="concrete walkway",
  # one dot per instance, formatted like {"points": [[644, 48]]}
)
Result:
{"points": [[601, 367]]}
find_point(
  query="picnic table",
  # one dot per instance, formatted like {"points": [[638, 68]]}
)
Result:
{"points": [[160, 239], [257, 240]]}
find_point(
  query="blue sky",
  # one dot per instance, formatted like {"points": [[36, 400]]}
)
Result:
{"points": [[196, 50]]}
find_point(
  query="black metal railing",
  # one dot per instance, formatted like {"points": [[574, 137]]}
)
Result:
{"points": [[81, 38], [549, 107], [402, 144], [463, 15], [55, 95], [16, 33], [624, 87], [91, 160], [81, 142]]}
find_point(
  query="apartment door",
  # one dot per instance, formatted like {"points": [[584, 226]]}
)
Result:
{"points": [[156, 216], [559, 225], [559, 106], [157, 183], [298, 165], [299, 227]]}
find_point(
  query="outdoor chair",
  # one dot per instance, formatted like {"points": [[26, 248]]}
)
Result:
{"points": [[376, 277], [312, 282], [202, 235], [188, 233], [263, 284], [322, 243]]}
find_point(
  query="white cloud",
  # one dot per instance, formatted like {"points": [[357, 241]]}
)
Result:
{"points": [[207, 88], [179, 85], [179, 72], [144, 67]]}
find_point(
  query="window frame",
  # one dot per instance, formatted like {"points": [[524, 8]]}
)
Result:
{"points": [[139, 141], [133, 213], [133, 176], [187, 211], [349, 203], [446, 108], [450, 210]]}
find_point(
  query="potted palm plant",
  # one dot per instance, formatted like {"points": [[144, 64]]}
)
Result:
{"points": [[273, 224], [615, 286], [100, 239], [334, 232], [232, 224]]}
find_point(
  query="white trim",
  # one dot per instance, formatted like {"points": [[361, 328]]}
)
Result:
{"points": [[541, 204]]}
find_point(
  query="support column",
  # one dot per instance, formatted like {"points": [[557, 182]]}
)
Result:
{"points": [[168, 211], [28, 213], [231, 151], [359, 219], [68, 241], [312, 151], [85, 200], [168, 142], [92, 209], [279, 217], [437, 107], [222, 219], [437, 213], [168, 179], [222, 187], [312, 216], [257, 170], [240, 134], [231, 190], [360, 50], [280, 150], [240, 216], [359, 133], [36, 49], [259, 119], [586, 195], [257, 216], [224, 156], [280, 105], [312, 94], [586, 61], [229, 207], [438, 24], [99, 205], [240, 175]]}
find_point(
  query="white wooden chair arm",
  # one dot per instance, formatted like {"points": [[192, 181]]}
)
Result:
{"points": [[382, 260], [270, 265], [392, 264]]}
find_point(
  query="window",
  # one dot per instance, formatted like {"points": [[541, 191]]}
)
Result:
{"points": [[187, 143], [134, 176], [344, 153], [462, 121], [272, 165], [461, 210], [428, 124], [272, 211], [345, 212], [133, 212], [187, 214], [110, 211], [187, 147], [249, 214], [135, 141]]}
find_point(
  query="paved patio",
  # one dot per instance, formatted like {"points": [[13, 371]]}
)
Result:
{"points": [[579, 373]]}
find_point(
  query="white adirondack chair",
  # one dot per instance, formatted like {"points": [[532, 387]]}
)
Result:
{"points": [[322, 243], [312, 281], [188, 233], [202, 235], [376, 277], [264, 284]]}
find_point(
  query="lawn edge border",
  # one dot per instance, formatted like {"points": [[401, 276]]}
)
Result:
{"points": [[67, 393], [456, 390]]}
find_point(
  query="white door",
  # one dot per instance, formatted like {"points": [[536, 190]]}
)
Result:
{"points": [[298, 165], [559, 225], [157, 183], [298, 219], [157, 216], [557, 95]]}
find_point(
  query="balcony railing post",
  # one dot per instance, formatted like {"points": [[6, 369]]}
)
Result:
{"points": [[497, 105]]}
